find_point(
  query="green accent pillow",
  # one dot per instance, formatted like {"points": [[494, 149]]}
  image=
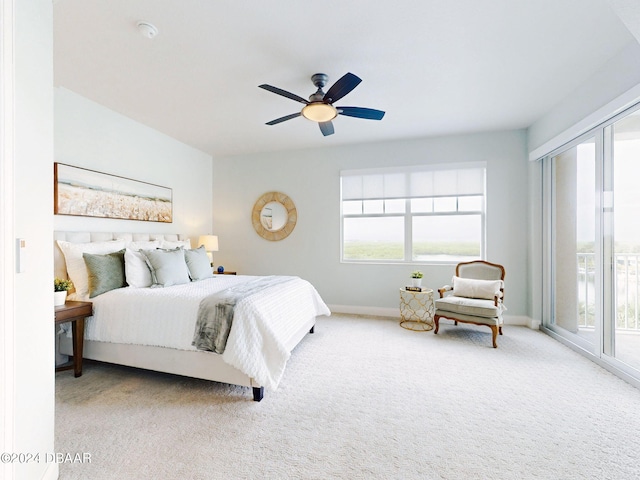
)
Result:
{"points": [[198, 263], [105, 272], [167, 267]]}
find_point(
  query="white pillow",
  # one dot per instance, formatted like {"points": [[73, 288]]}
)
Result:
{"points": [[472, 288], [167, 267], [144, 245], [198, 263], [136, 270], [77, 269], [168, 245]]}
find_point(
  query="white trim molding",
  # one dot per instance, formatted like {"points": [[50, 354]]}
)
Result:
{"points": [[533, 324], [7, 243], [365, 311], [516, 320], [601, 115]]}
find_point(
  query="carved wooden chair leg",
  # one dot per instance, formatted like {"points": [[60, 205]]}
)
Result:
{"points": [[436, 321], [494, 332], [500, 329]]}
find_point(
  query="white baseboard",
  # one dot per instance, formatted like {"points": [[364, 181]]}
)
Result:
{"points": [[359, 310], [534, 324], [395, 313], [522, 320]]}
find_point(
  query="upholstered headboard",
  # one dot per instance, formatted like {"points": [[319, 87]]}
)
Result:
{"points": [[60, 269]]}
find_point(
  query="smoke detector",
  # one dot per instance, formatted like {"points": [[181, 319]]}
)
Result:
{"points": [[146, 29]]}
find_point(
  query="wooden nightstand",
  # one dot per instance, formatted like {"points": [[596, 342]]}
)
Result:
{"points": [[74, 312]]}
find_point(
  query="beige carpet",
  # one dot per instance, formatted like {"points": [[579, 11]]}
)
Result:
{"points": [[363, 398]]}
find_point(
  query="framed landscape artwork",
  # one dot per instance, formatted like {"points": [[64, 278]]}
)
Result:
{"points": [[86, 193]]}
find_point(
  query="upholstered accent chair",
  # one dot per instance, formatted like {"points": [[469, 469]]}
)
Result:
{"points": [[475, 297]]}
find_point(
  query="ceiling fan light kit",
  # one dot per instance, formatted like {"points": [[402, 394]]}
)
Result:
{"points": [[319, 112], [319, 108]]}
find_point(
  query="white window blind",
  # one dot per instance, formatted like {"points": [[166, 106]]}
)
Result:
{"points": [[426, 213], [413, 182]]}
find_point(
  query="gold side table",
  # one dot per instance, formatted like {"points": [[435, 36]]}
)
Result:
{"points": [[416, 310]]}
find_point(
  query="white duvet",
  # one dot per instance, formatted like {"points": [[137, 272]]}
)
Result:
{"points": [[263, 322]]}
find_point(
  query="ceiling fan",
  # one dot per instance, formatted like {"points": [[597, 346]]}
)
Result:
{"points": [[319, 108]]}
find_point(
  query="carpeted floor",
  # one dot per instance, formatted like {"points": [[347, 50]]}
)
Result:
{"points": [[363, 399]]}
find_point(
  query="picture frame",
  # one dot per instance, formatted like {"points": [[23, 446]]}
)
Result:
{"points": [[88, 193]]}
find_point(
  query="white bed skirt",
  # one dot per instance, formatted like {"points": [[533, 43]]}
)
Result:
{"points": [[196, 364]]}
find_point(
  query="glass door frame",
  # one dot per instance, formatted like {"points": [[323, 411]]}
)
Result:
{"points": [[549, 264], [602, 351]]}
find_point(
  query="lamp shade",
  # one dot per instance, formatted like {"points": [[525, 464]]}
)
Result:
{"points": [[210, 242]]}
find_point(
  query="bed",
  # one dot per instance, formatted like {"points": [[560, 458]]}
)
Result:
{"points": [[153, 328]]}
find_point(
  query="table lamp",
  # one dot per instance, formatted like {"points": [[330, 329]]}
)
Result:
{"points": [[210, 243]]}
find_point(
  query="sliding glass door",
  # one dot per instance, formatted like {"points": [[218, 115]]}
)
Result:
{"points": [[593, 257], [574, 243], [623, 335]]}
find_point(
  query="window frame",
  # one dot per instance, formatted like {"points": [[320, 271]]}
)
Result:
{"points": [[409, 215]]}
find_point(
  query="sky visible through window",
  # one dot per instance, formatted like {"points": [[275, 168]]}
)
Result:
{"points": [[626, 191]]}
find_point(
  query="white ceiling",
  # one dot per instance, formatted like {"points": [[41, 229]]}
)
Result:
{"points": [[436, 67]]}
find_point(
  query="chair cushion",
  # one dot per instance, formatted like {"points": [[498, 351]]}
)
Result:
{"points": [[469, 306], [459, 317]]}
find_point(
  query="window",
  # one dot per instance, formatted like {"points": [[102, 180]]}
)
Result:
{"points": [[432, 213]]}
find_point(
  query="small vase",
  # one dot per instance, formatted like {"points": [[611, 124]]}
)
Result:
{"points": [[59, 298], [416, 282]]}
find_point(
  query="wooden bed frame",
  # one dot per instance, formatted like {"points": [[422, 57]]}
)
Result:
{"points": [[196, 364]]}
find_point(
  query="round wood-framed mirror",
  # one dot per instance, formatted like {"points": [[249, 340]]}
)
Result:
{"points": [[274, 216]]}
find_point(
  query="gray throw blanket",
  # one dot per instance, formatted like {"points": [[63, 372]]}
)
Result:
{"points": [[215, 313]]}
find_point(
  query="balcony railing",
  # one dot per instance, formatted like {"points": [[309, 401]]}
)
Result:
{"points": [[626, 291]]}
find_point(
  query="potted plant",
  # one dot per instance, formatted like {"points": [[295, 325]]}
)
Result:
{"points": [[416, 278], [60, 288]]}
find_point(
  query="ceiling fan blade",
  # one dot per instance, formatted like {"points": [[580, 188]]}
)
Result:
{"points": [[284, 93], [326, 128], [284, 119], [343, 86], [359, 112]]}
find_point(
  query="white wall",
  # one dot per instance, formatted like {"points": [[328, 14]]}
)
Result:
{"points": [[611, 89], [312, 251], [33, 180], [91, 136]]}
